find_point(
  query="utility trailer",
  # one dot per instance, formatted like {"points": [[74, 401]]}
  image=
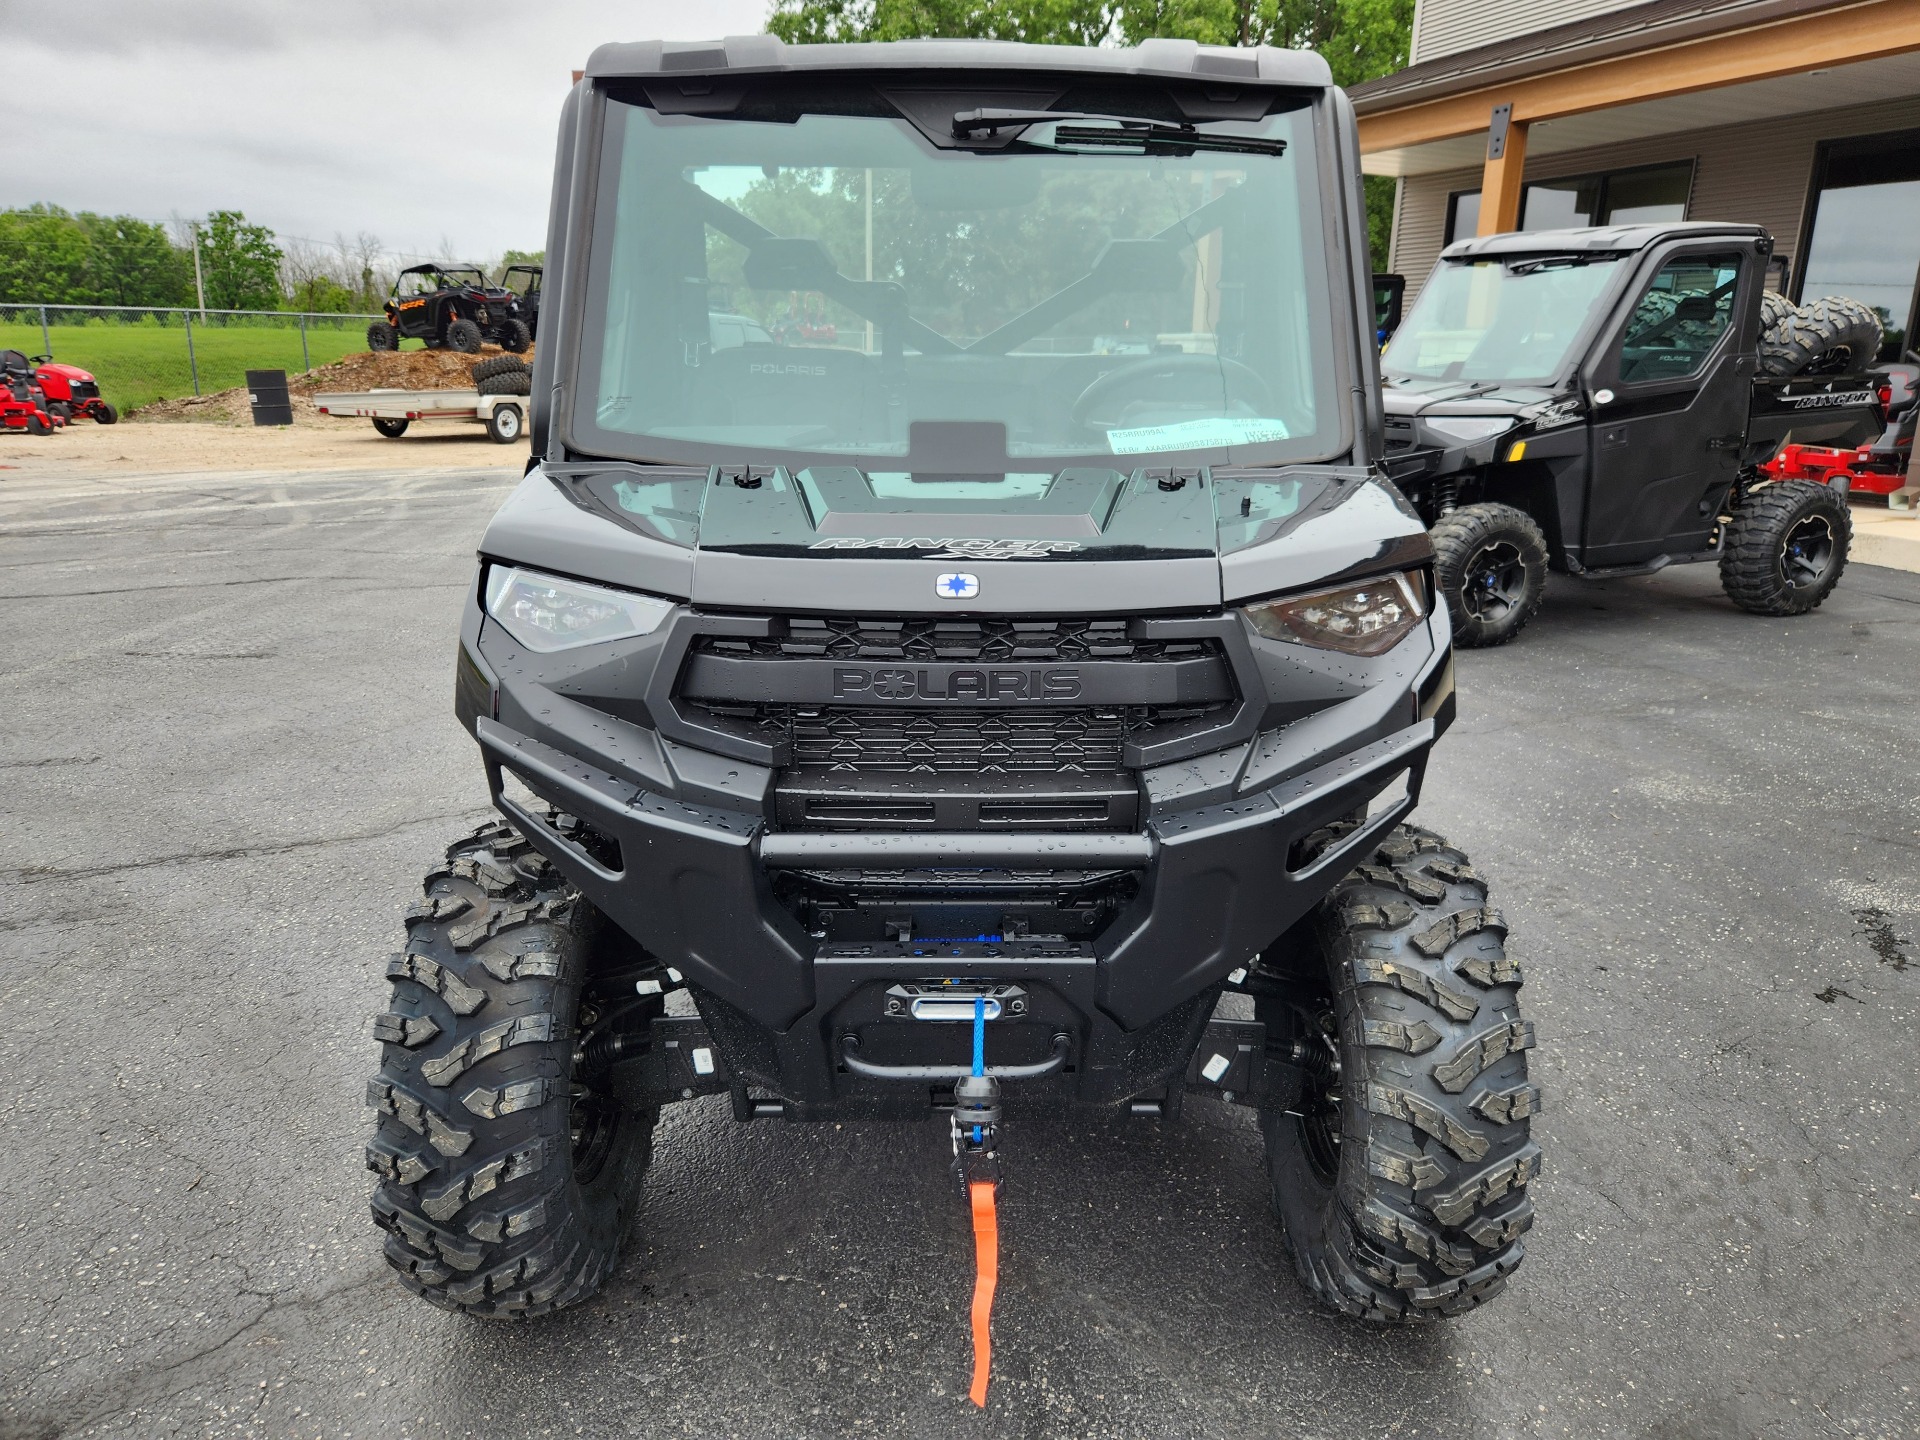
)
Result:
{"points": [[392, 411]]}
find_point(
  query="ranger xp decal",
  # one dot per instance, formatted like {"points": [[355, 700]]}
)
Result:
{"points": [[951, 549]]}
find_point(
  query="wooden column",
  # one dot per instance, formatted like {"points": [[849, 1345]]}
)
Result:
{"points": [[1506, 165]]}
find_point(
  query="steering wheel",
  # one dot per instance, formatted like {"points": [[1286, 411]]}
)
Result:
{"points": [[1169, 369]]}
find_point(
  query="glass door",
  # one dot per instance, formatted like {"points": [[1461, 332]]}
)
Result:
{"points": [[1864, 230]]}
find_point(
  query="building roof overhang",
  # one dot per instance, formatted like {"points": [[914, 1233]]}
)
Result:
{"points": [[1661, 67]]}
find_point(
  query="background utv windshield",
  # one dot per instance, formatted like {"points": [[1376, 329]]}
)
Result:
{"points": [[1497, 321], [814, 284]]}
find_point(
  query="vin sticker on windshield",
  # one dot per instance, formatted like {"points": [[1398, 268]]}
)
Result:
{"points": [[950, 549]]}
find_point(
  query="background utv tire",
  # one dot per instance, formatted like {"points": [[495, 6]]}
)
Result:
{"points": [[506, 1181], [515, 336], [1491, 565], [495, 365], [1785, 548], [381, 337], [463, 335], [1833, 333], [507, 382], [1401, 1181]]}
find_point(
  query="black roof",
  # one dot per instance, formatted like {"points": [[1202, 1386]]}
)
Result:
{"points": [[1595, 239], [767, 54]]}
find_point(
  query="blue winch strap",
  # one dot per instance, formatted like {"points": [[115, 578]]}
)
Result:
{"points": [[979, 1045]]}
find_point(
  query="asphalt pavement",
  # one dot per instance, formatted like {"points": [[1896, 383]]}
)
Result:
{"points": [[228, 752]]}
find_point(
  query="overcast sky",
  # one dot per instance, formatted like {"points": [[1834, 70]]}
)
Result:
{"points": [[421, 121]]}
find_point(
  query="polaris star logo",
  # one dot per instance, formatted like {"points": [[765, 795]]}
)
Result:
{"points": [[957, 586]]}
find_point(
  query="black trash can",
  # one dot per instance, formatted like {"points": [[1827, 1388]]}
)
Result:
{"points": [[267, 393]]}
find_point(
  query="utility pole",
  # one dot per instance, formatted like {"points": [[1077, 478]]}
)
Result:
{"points": [[199, 286]]}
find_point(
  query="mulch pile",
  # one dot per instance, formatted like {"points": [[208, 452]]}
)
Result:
{"points": [[390, 370]]}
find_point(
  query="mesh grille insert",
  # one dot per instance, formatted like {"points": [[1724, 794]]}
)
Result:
{"points": [[981, 641], [1083, 741]]}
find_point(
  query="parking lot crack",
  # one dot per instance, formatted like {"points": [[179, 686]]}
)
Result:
{"points": [[31, 874]]}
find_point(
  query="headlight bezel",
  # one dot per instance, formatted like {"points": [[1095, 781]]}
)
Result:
{"points": [[1392, 606], [1464, 432], [528, 605]]}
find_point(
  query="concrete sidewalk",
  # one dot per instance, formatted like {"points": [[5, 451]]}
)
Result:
{"points": [[1886, 537]]}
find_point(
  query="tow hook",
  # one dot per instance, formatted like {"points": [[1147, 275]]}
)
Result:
{"points": [[976, 1164]]}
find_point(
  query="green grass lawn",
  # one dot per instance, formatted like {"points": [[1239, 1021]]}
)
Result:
{"points": [[138, 364]]}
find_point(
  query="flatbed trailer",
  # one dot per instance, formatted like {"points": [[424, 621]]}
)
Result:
{"points": [[392, 411]]}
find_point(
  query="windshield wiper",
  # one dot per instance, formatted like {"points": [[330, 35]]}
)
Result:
{"points": [[1128, 132]]}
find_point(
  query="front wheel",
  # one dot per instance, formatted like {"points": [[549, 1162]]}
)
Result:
{"points": [[104, 413], [1400, 1175], [392, 429], [463, 335], [509, 1165], [1785, 547], [382, 337], [1491, 565]]}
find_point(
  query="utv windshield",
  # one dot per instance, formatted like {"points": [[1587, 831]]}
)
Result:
{"points": [[821, 278], [1509, 320]]}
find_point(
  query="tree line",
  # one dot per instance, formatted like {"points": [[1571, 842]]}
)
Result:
{"points": [[51, 256], [1361, 39]]}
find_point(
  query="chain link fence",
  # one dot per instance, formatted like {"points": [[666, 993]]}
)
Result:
{"points": [[140, 354]]}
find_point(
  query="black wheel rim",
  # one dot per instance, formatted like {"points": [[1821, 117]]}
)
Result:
{"points": [[1807, 553], [593, 1121], [1494, 581]]}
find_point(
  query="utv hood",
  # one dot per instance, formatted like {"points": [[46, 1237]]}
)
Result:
{"points": [[1086, 539]]}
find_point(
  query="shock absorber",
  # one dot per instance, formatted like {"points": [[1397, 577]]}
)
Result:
{"points": [[1446, 493]]}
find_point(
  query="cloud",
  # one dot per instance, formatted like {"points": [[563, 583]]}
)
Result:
{"points": [[415, 121]]}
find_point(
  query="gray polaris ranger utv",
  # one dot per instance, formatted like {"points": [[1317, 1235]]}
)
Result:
{"points": [[961, 673]]}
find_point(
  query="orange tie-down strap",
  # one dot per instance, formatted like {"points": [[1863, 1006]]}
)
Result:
{"points": [[986, 1260]]}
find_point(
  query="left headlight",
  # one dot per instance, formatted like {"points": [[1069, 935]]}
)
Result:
{"points": [[546, 613], [1362, 619]]}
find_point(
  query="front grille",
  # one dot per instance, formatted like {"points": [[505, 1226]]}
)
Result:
{"points": [[959, 641], [1066, 741]]}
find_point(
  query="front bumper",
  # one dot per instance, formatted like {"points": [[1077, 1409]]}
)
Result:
{"points": [[689, 852]]}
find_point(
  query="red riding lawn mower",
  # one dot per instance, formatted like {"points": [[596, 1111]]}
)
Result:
{"points": [[23, 403], [1878, 467], [68, 390]]}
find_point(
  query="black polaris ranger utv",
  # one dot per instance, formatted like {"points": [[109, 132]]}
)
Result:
{"points": [[1594, 400], [968, 698], [451, 307]]}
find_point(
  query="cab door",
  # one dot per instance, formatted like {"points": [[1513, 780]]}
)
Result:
{"points": [[1671, 388]]}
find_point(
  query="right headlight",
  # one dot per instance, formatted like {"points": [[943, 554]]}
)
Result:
{"points": [[1365, 618], [547, 613]]}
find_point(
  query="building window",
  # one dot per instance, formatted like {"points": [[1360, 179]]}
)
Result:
{"points": [[1624, 197], [1463, 215], [1648, 195], [1863, 230]]}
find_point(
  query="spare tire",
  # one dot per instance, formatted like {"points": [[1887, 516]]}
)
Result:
{"points": [[1832, 335], [497, 365], [507, 382]]}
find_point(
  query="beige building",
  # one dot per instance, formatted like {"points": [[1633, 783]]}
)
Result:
{"points": [[1799, 115]]}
